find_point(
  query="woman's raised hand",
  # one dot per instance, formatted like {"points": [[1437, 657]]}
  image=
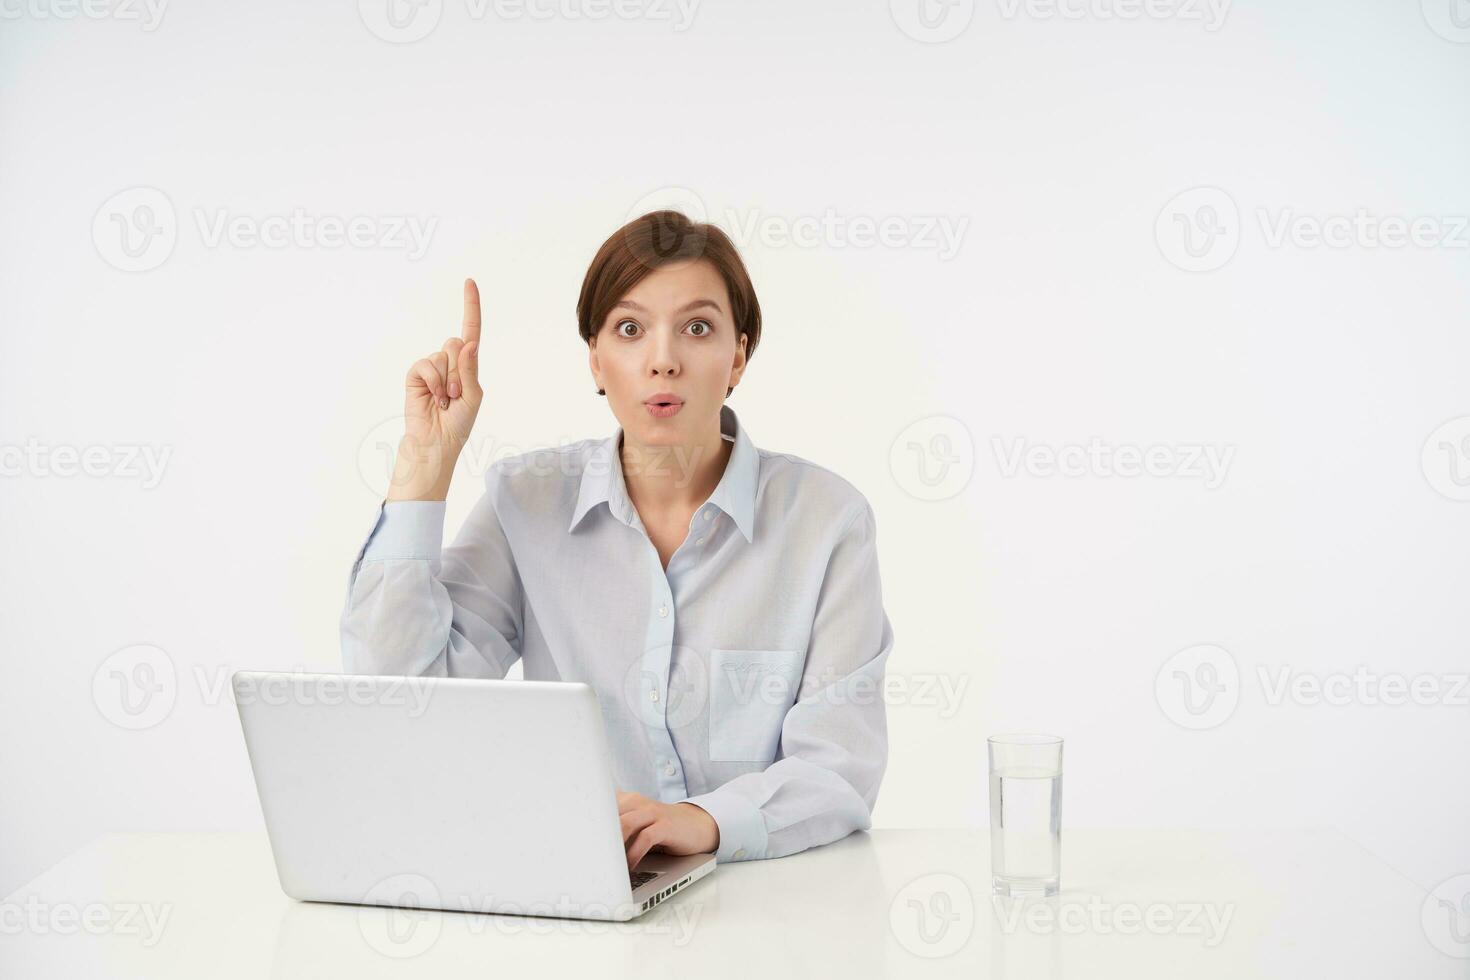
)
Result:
{"points": [[441, 397]]}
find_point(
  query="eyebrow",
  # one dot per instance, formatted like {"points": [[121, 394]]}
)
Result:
{"points": [[696, 304]]}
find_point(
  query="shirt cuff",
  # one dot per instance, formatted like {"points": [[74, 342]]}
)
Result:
{"points": [[742, 828], [407, 529]]}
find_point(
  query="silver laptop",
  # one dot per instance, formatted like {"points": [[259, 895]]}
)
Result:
{"points": [[440, 793]]}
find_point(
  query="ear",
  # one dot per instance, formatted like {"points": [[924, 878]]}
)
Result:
{"points": [[737, 367], [592, 362]]}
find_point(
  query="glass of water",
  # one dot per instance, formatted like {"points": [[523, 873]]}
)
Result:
{"points": [[1025, 815]]}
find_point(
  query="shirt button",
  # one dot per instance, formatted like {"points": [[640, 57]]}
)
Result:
{"points": [[740, 852], [669, 769], [653, 695], [708, 515], [699, 540], [663, 610]]}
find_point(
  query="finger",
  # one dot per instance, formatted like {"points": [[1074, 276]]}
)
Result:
{"points": [[470, 332], [644, 843], [451, 351], [627, 800], [441, 365], [634, 821], [425, 374], [469, 367]]}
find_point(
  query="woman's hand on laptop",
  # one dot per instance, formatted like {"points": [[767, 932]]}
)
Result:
{"points": [[675, 828]]}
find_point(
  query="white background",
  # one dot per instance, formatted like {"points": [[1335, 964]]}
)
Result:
{"points": [[1056, 144]]}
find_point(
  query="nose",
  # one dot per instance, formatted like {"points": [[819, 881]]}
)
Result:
{"points": [[662, 359]]}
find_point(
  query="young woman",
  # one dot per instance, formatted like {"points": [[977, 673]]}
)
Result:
{"points": [[722, 600]]}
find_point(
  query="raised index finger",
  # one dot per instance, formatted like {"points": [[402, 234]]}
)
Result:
{"points": [[471, 331]]}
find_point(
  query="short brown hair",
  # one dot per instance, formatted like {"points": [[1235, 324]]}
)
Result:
{"points": [[661, 238]]}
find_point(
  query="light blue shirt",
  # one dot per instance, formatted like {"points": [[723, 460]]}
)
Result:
{"points": [[747, 678]]}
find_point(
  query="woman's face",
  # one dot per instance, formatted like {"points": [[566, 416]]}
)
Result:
{"points": [[672, 336]]}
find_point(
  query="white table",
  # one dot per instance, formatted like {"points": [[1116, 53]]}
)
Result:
{"points": [[1294, 904]]}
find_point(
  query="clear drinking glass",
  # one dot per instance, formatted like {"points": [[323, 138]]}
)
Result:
{"points": [[1025, 814]]}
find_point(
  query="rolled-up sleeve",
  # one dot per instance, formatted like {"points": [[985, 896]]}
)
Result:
{"points": [[833, 751], [415, 608]]}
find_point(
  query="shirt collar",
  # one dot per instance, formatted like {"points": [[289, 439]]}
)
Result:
{"points": [[602, 479]]}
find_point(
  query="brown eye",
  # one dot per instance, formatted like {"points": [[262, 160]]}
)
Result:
{"points": [[704, 324], [625, 323]]}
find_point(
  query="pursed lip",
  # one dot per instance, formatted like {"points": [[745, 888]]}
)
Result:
{"points": [[662, 398]]}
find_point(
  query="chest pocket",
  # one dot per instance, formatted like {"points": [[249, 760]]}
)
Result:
{"points": [[749, 693]]}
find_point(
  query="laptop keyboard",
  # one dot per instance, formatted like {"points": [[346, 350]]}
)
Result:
{"points": [[636, 878]]}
